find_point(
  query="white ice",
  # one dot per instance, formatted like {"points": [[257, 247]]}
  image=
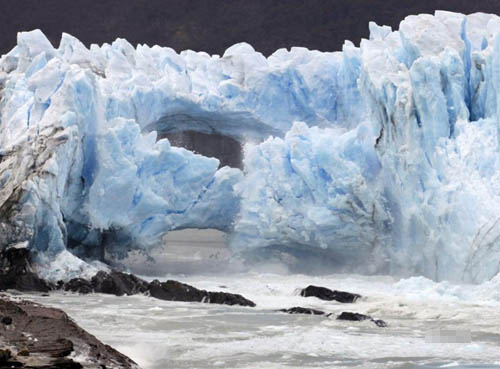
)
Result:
{"points": [[386, 154]]}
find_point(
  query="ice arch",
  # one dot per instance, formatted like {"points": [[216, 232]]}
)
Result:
{"points": [[216, 135], [396, 160]]}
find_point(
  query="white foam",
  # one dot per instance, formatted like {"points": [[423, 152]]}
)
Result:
{"points": [[161, 334]]}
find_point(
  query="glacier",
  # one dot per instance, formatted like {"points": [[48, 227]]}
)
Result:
{"points": [[386, 155]]}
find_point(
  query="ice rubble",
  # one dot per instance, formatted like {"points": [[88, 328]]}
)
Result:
{"points": [[385, 154]]}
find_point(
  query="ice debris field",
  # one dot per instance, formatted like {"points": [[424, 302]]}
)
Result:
{"points": [[384, 155]]}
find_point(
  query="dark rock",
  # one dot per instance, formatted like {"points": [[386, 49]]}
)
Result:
{"points": [[60, 347], [4, 355], [56, 364], [23, 352], [16, 364], [301, 310], [324, 293], [66, 364], [16, 271], [345, 315], [379, 323], [225, 298], [7, 320], [49, 335], [118, 283], [114, 283], [79, 285], [176, 291]]}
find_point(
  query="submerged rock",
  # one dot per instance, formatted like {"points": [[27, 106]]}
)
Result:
{"points": [[16, 271], [324, 293], [379, 323], [345, 315], [301, 310], [45, 337]]}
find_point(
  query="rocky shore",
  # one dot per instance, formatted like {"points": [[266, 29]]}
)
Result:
{"points": [[38, 337], [119, 284], [17, 272]]}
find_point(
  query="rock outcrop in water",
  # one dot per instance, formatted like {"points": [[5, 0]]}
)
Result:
{"points": [[176, 291], [301, 310], [16, 272], [119, 284], [356, 317], [324, 293], [113, 283], [39, 337]]}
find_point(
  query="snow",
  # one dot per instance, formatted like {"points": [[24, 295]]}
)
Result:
{"points": [[386, 155]]}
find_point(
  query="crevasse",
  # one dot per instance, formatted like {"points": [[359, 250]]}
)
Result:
{"points": [[385, 155]]}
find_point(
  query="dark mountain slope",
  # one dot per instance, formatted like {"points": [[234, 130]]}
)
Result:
{"points": [[214, 25]]}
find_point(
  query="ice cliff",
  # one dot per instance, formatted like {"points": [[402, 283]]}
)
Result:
{"points": [[386, 155]]}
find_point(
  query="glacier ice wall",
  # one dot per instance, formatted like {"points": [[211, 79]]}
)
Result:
{"points": [[385, 155], [414, 187]]}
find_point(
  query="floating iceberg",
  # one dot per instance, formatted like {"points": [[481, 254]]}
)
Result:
{"points": [[385, 155]]}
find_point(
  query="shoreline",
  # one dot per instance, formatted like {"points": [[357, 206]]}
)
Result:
{"points": [[36, 336]]}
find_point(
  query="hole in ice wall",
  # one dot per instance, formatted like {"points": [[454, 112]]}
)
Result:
{"points": [[226, 149], [187, 251], [218, 135]]}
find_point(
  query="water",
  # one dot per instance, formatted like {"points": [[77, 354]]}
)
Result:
{"points": [[161, 334]]}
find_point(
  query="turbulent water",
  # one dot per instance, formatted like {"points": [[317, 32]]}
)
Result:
{"points": [[382, 158], [431, 325]]}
